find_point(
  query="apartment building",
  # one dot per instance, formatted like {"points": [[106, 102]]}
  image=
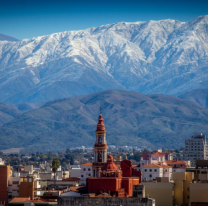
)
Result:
{"points": [[195, 149]]}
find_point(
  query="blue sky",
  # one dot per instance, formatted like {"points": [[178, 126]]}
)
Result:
{"points": [[31, 18]]}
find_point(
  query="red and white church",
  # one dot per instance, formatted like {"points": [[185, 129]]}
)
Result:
{"points": [[107, 177]]}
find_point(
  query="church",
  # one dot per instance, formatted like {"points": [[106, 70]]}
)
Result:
{"points": [[107, 177]]}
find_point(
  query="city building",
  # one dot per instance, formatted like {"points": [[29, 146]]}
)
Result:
{"points": [[75, 171], [13, 187], [154, 158], [182, 180], [4, 175], [1, 162], [195, 148], [86, 172], [28, 187], [152, 171], [178, 165], [162, 192]]}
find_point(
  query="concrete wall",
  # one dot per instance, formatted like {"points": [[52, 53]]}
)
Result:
{"points": [[28, 168], [104, 201], [161, 192], [198, 192], [46, 176]]}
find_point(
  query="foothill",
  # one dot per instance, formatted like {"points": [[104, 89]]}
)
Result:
{"points": [[107, 175]]}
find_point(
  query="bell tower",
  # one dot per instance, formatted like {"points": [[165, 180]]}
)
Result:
{"points": [[100, 147]]}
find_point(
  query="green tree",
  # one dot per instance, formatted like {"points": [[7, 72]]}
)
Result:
{"points": [[55, 166]]}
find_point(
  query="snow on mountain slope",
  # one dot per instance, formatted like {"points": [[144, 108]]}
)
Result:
{"points": [[164, 56]]}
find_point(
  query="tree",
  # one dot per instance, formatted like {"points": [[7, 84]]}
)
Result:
{"points": [[55, 166], [72, 161], [68, 151]]}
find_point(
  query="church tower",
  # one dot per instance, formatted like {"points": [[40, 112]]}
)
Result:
{"points": [[100, 147]]}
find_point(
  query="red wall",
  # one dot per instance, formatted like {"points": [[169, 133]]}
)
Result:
{"points": [[96, 185], [4, 175]]}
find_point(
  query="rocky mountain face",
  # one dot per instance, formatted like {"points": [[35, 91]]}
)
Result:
{"points": [[143, 120], [164, 57]]}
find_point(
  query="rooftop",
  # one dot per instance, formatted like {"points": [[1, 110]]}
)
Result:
{"points": [[26, 199], [159, 153], [87, 164], [156, 165]]}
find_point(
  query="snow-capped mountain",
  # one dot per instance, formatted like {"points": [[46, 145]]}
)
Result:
{"points": [[166, 57]]}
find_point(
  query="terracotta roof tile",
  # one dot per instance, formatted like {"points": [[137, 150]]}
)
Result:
{"points": [[87, 164], [175, 162], [159, 153]]}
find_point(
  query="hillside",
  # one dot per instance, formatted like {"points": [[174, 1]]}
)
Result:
{"points": [[199, 96], [8, 113], [155, 57], [143, 120]]}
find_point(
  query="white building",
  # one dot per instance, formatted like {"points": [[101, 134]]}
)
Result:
{"points": [[155, 158], [151, 171], [86, 171], [13, 187], [75, 171], [196, 148], [1, 162]]}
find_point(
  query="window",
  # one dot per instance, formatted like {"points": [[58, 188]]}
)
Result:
{"points": [[84, 169], [89, 174], [150, 176], [15, 182], [145, 170], [155, 170], [82, 175], [150, 170], [88, 169]]}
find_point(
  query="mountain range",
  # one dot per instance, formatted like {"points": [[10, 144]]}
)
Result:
{"points": [[154, 57], [130, 118]]}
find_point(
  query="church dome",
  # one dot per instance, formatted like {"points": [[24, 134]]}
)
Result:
{"points": [[110, 165]]}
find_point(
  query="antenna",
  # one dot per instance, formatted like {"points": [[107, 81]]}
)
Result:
{"points": [[100, 109]]}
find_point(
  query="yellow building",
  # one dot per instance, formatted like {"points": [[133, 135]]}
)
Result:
{"points": [[182, 180], [162, 192], [26, 187]]}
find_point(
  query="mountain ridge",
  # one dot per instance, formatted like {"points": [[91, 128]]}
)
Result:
{"points": [[164, 57], [143, 120]]}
